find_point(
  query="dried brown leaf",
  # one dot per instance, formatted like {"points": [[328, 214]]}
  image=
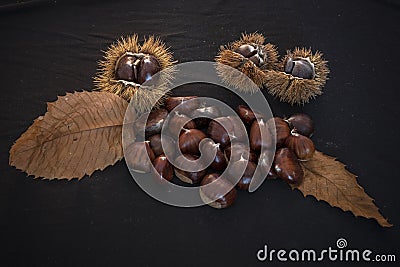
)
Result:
{"points": [[80, 133], [327, 179]]}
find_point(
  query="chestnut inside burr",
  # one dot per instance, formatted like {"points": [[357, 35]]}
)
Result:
{"points": [[136, 67], [253, 52], [300, 67]]}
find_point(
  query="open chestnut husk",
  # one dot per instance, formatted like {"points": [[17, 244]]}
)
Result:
{"points": [[219, 185], [301, 145], [139, 157], [128, 64], [287, 166], [188, 177], [249, 55], [302, 124], [163, 169], [300, 78], [189, 141]]}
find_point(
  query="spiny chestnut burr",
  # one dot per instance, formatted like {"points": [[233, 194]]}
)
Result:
{"points": [[302, 123], [189, 141], [174, 122], [282, 130], [256, 142], [219, 162], [219, 185], [147, 68], [185, 106], [139, 157], [163, 169], [188, 177], [247, 176], [300, 67], [287, 166], [239, 150], [154, 123], [156, 146], [203, 115], [301, 145]]}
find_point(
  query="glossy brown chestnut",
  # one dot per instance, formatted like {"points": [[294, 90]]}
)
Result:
{"points": [[265, 160], [302, 123], [219, 185], [233, 130], [184, 106], [246, 114], [156, 146], [256, 142], [163, 169], [147, 68], [240, 150], [188, 177], [301, 145], [176, 120], [203, 115], [139, 157], [189, 141], [234, 170], [154, 123], [124, 68], [246, 50], [287, 166], [300, 67], [282, 130], [219, 162]]}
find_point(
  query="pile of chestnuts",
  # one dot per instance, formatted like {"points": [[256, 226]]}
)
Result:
{"points": [[291, 145]]}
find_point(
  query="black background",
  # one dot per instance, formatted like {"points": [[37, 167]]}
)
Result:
{"points": [[48, 48]]}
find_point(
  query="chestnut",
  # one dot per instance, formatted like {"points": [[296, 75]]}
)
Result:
{"points": [[282, 130], [163, 169], [265, 160], [188, 177], [233, 130], [189, 141], [154, 123], [139, 156], [302, 123], [234, 170], [300, 67], [246, 50], [148, 66], [287, 166], [219, 162], [256, 142], [203, 115], [156, 146], [301, 145], [175, 122], [184, 106], [247, 115], [239, 150], [124, 68], [219, 185]]}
